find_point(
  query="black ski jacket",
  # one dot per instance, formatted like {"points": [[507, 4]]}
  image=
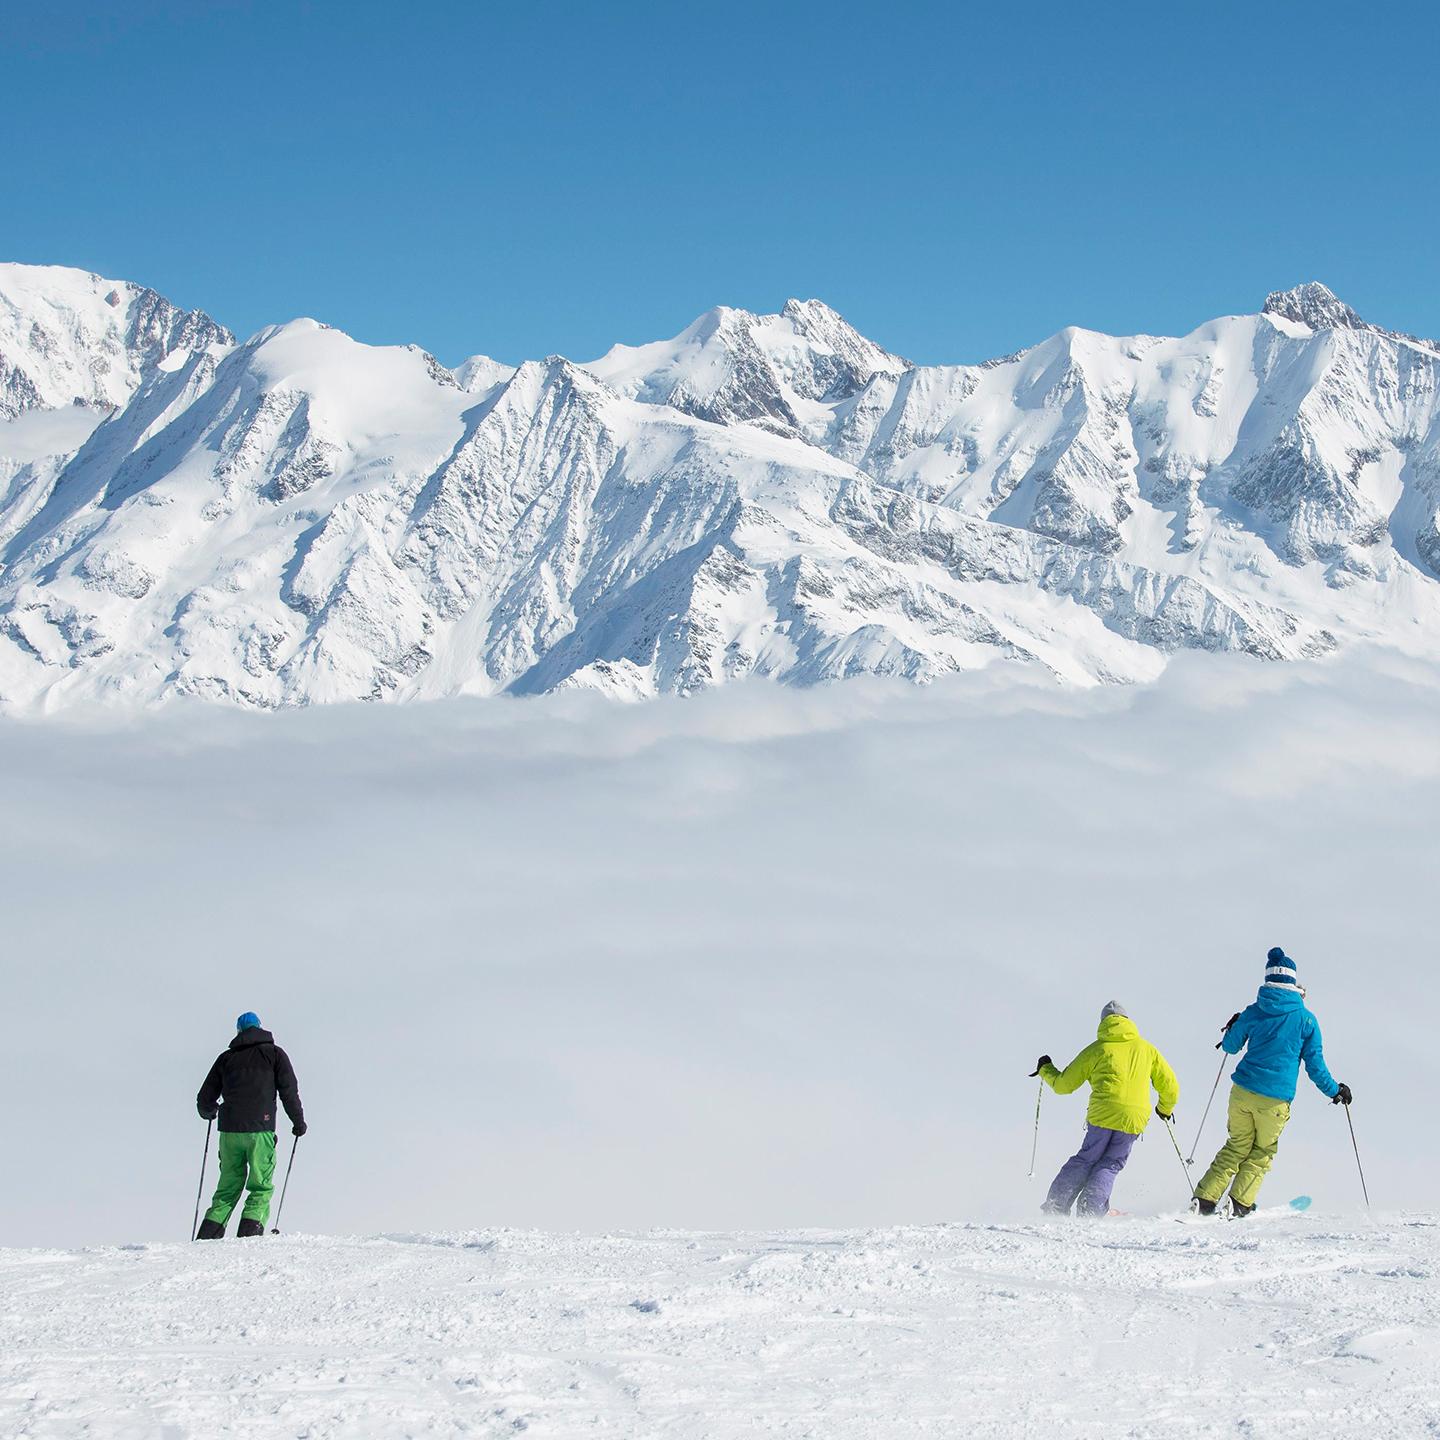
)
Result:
{"points": [[244, 1081]]}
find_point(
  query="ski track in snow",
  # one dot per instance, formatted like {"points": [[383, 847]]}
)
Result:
{"points": [[1287, 1325]]}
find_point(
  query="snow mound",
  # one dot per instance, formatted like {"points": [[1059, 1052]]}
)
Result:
{"points": [[1293, 1326]]}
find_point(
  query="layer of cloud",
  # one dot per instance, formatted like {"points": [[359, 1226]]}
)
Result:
{"points": [[759, 957]]}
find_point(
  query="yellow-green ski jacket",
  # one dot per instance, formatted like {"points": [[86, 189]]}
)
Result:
{"points": [[1121, 1066]]}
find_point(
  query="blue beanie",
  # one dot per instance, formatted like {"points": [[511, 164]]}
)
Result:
{"points": [[248, 1021], [1280, 971]]}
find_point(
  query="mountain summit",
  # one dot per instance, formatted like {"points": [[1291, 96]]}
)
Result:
{"points": [[71, 338], [732, 366], [301, 518], [1315, 305], [1318, 306]]}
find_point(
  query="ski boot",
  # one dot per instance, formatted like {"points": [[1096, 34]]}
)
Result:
{"points": [[210, 1230], [1239, 1211], [248, 1229], [1202, 1207]]}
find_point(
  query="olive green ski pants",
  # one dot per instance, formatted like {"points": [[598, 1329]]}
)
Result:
{"points": [[1255, 1125], [245, 1157]]}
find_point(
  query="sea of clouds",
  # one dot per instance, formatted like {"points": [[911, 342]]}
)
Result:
{"points": [[760, 957]]}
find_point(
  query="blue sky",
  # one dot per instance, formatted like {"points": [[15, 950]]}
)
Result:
{"points": [[528, 179]]}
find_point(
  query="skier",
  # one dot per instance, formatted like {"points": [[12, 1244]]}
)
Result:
{"points": [[1277, 1032], [241, 1088], [1121, 1067]]}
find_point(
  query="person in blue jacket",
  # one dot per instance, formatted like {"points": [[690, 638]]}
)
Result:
{"points": [[1276, 1033]]}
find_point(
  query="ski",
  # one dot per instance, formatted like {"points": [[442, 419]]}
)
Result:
{"points": [[1296, 1206]]}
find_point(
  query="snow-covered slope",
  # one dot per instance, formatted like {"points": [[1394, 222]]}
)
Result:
{"points": [[1291, 1327], [303, 518]]}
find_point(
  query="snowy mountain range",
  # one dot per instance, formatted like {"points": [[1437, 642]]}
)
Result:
{"points": [[301, 518]]}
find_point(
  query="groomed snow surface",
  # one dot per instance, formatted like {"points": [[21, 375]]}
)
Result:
{"points": [[1284, 1325]]}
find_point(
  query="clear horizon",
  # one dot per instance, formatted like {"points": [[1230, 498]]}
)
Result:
{"points": [[519, 184]]}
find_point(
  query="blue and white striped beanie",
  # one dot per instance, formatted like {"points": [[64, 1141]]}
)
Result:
{"points": [[1280, 971]]}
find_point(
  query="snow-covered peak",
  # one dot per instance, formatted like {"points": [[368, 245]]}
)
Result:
{"points": [[719, 320], [480, 374], [554, 375], [308, 355], [68, 337], [827, 330], [731, 365], [1315, 305]]}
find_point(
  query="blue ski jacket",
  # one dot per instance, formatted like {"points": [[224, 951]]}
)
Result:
{"points": [[1276, 1033]]}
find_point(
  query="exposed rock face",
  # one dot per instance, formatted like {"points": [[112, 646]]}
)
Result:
{"points": [[302, 519], [1318, 306]]}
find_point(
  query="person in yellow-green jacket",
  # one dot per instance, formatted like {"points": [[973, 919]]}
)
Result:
{"points": [[1121, 1067]]}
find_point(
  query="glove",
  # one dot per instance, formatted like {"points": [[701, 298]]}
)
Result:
{"points": [[1342, 1096], [1225, 1030], [298, 1129], [1162, 1114], [1040, 1064], [207, 1114]]}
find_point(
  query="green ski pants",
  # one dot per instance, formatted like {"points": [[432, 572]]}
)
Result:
{"points": [[249, 1156], [1255, 1125]]}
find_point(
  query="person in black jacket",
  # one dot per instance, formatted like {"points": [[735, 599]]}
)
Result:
{"points": [[241, 1088]]}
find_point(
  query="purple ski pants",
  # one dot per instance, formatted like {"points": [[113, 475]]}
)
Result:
{"points": [[1088, 1176]]}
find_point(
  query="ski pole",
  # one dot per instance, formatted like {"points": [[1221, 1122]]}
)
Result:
{"points": [[1220, 1075], [275, 1229], [1040, 1095], [1035, 1143], [204, 1161], [1364, 1189], [1224, 1061], [1179, 1154]]}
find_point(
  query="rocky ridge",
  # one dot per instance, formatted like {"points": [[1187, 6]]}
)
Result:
{"points": [[300, 518]]}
